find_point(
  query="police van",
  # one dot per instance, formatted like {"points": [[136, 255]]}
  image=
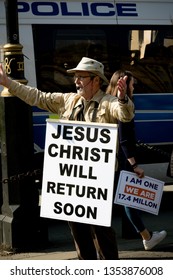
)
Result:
{"points": [[133, 35]]}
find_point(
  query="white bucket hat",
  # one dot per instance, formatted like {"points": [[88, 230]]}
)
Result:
{"points": [[90, 65]]}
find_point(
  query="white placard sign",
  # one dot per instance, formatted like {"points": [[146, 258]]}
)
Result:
{"points": [[78, 173], [141, 193]]}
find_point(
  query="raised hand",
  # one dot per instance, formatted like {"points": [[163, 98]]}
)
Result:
{"points": [[122, 87], [4, 80]]}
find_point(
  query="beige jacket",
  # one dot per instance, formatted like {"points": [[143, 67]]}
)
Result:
{"points": [[108, 110]]}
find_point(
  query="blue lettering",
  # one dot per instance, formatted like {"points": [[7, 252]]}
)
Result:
{"points": [[23, 7], [126, 9], [95, 12], [65, 12], [54, 9], [85, 9]]}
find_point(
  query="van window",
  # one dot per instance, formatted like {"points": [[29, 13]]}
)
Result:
{"points": [[146, 51]]}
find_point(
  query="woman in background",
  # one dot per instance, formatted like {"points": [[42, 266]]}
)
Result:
{"points": [[127, 161]]}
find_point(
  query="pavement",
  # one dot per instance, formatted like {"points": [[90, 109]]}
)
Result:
{"points": [[60, 243]]}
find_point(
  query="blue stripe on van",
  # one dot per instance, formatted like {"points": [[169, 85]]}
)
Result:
{"points": [[153, 119]]}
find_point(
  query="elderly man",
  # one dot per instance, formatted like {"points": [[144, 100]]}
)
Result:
{"points": [[89, 104]]}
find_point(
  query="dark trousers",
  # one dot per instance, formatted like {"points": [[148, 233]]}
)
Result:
{"points": [[94, 242]]}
